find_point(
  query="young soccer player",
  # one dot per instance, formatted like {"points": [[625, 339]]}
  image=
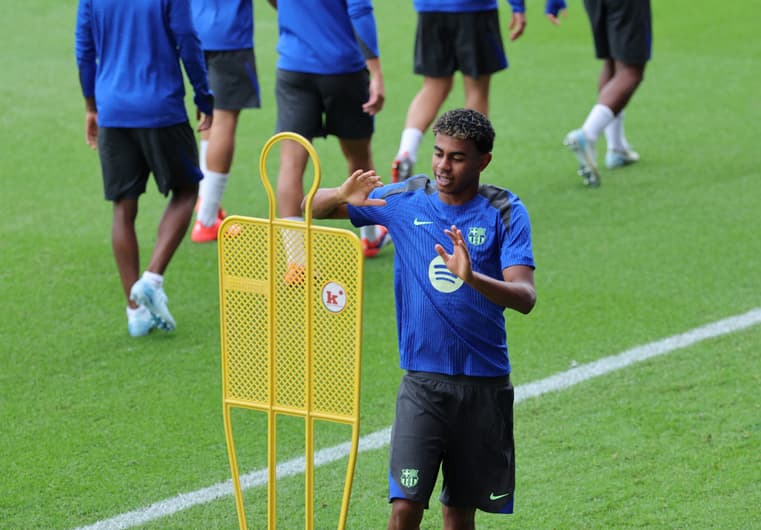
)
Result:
{"points": [[226, 30], [329, 81], [129, 55], [622, 33], [463, 255]]}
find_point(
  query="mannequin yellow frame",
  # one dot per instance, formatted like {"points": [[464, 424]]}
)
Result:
{"points": [[290, 299]]}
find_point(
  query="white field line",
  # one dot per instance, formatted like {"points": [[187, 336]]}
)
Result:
{"points": [[380, 438]]}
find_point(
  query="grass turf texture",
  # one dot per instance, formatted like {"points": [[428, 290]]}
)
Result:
{"points": [[96, 423]]}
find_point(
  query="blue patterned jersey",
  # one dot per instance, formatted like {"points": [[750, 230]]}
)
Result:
{"points": [[443, 325]]}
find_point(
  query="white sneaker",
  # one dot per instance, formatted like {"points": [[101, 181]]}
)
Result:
{"points": [[585, 153], [620, 157], [154, 299], [140, 322]]}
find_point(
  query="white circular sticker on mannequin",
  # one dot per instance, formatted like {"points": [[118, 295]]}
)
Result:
{"points": [[334, 297]]}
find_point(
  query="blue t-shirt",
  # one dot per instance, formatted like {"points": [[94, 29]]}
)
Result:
{"points": [[128, 54], [464, 6], [224, 24], [444, 325], [327, 37]]}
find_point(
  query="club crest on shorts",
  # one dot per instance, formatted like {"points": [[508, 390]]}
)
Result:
{"points": [[409, 478], [476, 235]]}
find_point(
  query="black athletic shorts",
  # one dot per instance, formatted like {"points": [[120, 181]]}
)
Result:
{"points": [[464, 424], [468, 42], [233, 79], [315, 105], [621, 29], [129, 155]]}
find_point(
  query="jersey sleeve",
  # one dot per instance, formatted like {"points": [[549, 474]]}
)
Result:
{"points": [[191, 54], [518, 6], [516, 246], [363, 22], [84, 48]]}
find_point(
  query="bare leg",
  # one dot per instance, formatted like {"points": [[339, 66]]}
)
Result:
{"points": [[427, 102], [172, 227], [290, 180], [358, 154], [124, 244], [219, 156], [619, 89], [477, 93], [459, 518], [405, 515]]}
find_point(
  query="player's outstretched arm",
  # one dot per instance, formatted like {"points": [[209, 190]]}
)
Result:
{"points": [[331, 203], [516, 290]]}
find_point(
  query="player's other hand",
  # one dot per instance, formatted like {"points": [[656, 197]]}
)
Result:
{"points": [[356, 189], [517, 25], [204, 120], [458, 262], [91, 128], [553, 8]]}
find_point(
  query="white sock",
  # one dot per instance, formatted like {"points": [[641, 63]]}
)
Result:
{"points": [[614, 134], [369, 232], [131, 312], [202, 149], [211, 196], [156, 279], [599, 118], [293, 243], [410, 143]]}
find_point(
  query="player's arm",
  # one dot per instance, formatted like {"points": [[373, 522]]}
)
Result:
{"points": [[332, 203], [515, 291], [553, 8], [84, 49], [191, 54], [363, 22]]}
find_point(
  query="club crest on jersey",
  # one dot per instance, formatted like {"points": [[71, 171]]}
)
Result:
{"points": [[409, 478], [476, 235]]}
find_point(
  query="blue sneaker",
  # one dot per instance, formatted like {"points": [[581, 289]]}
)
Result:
{"points": [[140, 322], [585, 153], [620, 157], [154, 299]]}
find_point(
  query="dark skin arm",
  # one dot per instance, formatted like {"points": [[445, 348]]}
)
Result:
{"points": [[516, 292]]}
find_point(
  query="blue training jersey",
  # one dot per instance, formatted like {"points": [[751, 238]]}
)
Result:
{"points": [[128, 54], [444, 325], [224, 24], [464, 6], [327, 37]]}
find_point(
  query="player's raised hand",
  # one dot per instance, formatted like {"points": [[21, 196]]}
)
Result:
{"points": [[356, 189], [553, 8], [458, 262]]}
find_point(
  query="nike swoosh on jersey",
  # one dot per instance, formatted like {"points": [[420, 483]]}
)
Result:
{"points": [[418, 222]]}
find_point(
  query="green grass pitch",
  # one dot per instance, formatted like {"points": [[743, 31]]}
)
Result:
{"points": [[96, 424]]}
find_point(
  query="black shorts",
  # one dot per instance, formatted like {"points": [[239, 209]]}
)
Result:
{"points": [[128, 156], [233, 79], [468, 42], [621, 29], [317, 105], [464, 424]]}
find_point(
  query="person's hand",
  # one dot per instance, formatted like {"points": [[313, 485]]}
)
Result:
{"points": [[377, 97], [517, 25], [91, 128], [458, 262], [356, 189], [553, 8], [204, 120]]}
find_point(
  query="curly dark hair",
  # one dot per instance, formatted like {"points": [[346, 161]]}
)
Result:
{"points": [[467, 124]]}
